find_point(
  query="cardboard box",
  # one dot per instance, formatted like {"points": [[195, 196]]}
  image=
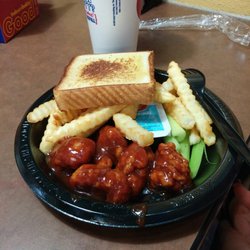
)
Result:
{"points": [[15, 15]]}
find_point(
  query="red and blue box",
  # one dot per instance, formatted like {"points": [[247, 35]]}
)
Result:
{"points": [[15, 15]]}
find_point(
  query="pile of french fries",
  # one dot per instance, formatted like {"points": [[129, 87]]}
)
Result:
{"points": [[71, 123], [175, 95], [185, 109]]}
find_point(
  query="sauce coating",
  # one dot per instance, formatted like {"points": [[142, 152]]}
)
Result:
{"points": [[170, 169], [72, 152], [115, 170]]}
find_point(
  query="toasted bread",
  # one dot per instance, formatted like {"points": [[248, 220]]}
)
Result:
{"points": [[106, 79]]}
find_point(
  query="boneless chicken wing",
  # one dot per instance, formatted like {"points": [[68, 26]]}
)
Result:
{"points": [[71, 153], [134, 164], [109, 145], [170, 169]]}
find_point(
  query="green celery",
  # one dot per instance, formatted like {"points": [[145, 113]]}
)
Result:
{"points": [[196, 158], [176, 130], [173, 140], [185, 147]]}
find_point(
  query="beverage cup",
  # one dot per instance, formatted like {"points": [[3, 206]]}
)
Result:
{"points": [[113, 24]]}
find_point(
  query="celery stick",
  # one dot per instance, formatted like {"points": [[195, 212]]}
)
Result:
{"points": [[196, 158], [185, 147], [176, 130], [172, 139]]}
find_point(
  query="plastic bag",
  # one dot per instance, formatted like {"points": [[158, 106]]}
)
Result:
{"points": [[235, 30]]}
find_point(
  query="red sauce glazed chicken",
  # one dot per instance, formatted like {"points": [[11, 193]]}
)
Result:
{"points": [[71, 153], [170, 169], [117, 170]]}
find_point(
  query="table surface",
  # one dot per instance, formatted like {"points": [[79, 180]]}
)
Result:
{"points": [[33, 62]]}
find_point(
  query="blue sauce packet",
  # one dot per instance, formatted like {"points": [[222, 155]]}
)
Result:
{"points": [[154, 119]]}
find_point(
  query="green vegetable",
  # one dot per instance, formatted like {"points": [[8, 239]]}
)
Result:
{"points": [[177, 131], [174, 140], [196, 158], [185, 147]]}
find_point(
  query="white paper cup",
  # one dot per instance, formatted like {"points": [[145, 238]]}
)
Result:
{"points": [[113, 24]]}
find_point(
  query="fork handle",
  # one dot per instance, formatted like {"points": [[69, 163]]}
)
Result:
{"points": [[227, 131]]}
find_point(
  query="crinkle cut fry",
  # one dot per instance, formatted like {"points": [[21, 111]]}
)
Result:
{"points": [[188, 99], [42, 111], [130, 110], [85, 123], [56, 120], [48, 108], [194, 136], [162, 95], [64, 117], [179, 112], [46, 145], [168, 85], [132, 130]]}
